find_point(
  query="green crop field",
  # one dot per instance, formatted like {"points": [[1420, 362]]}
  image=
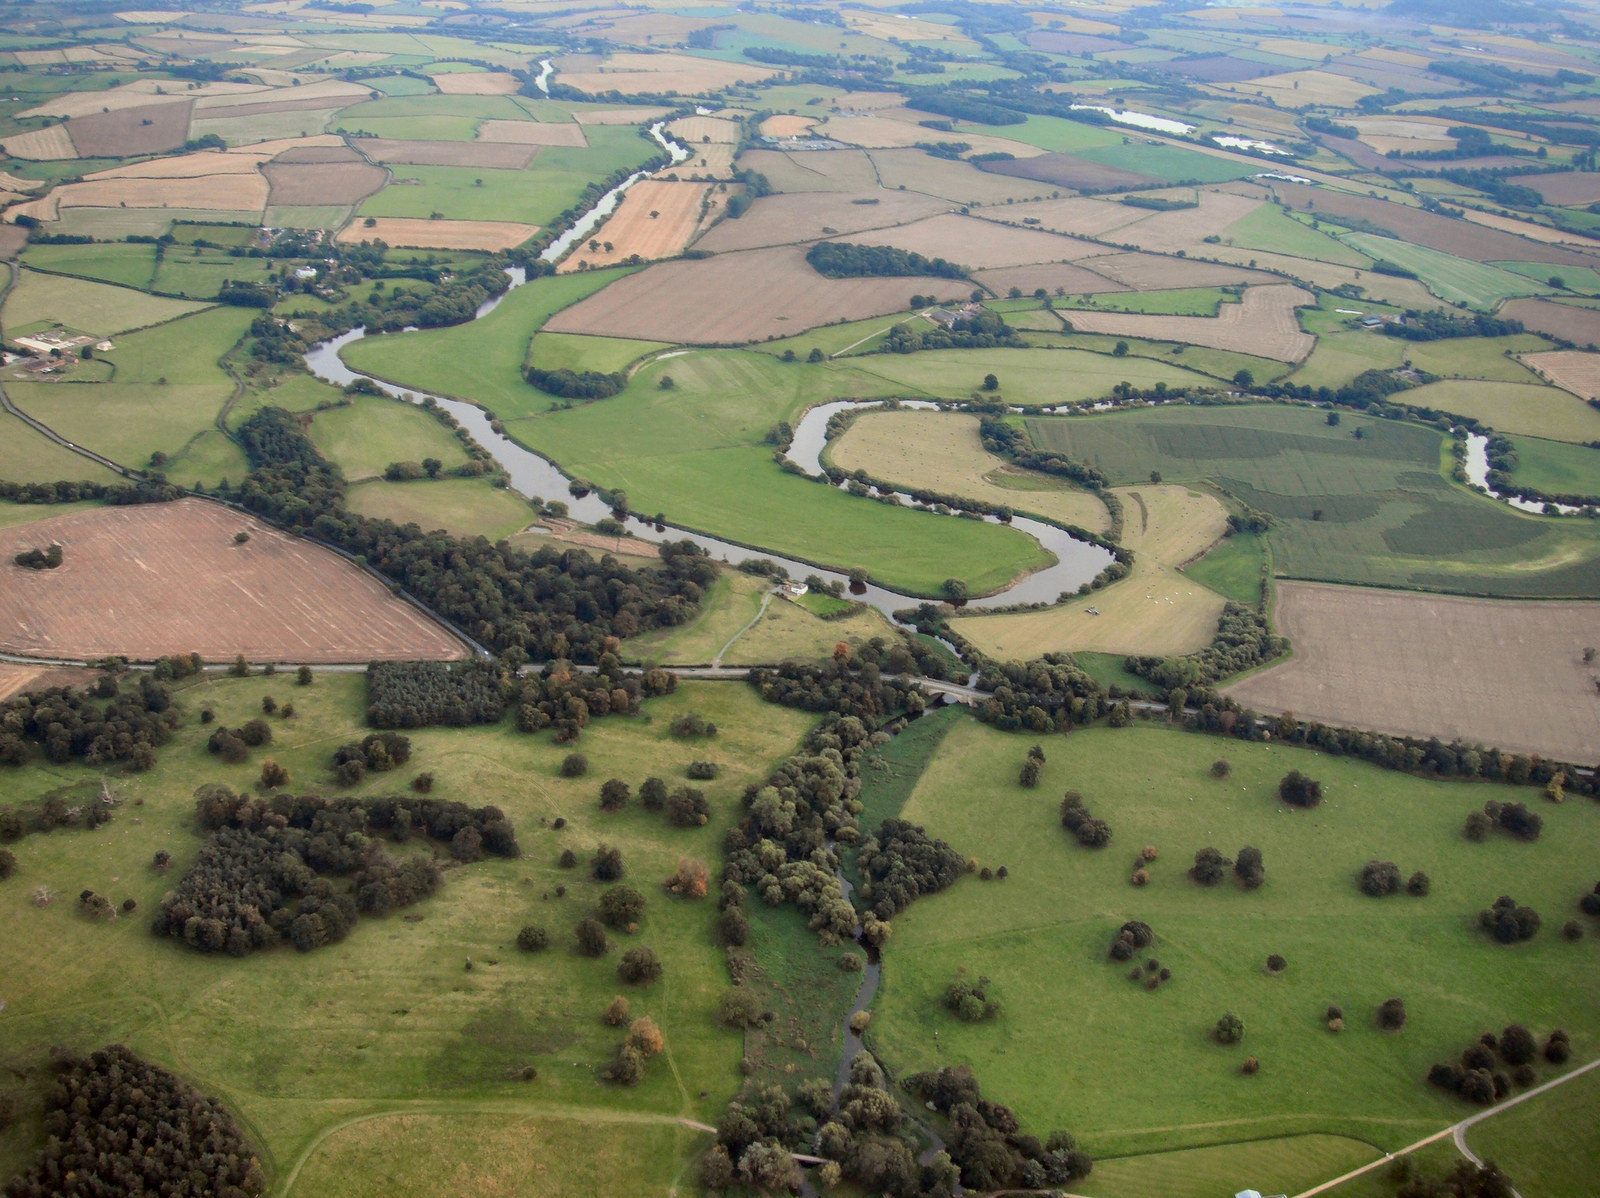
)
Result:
{"points": [[130, 265], [167, 390], [1220, 365], [94, 308], [1532, 408], [1186, 301], [1574, 278], [1171, 164], [1027, 376], [200, 274], [468, 507], [1555, 467], [1233, 568], [1448, 277], [1476, 357], [1376, 510], [1042, 936], [400, 1029], [1270, 229], [369, 433], [1055, 134]]}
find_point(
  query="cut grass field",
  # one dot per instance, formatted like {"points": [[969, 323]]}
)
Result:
{"points": [[1485, 671], [942, 452], [368, 433], [1154, 610], [1042, 937], [88, 307], [572, 351], [1376, 511], [129, 265], [1281, 1166], [468, 507], [29, 457], [1447, 276], [1272, 230], [1028, 377], [399, 1027], [1530, 408], [1234, 569], [1555, 467]]}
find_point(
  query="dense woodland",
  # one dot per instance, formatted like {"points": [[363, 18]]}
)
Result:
{"points": [[266, 873], [417, 694], [104, 724], [556, 603], [846, 260], [120, 1125]]}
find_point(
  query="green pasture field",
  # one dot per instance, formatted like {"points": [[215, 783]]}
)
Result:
{"points": [[294, 392], [117, 262], [1435, 1160], [113, 224], [1109, 669], [1042, 937], [856, 338], [576, 351], [1533, 408], [189, 232], [1574, 278], [1448, 277], [363, 437], [401, 85], [1270, 229], [1550, 1145], [730, 603], [200, 274], [13, 514], [1221, 364], [1167, 163], [1028, 377], [1183, 301], [1233, 568], [481, 361], [1377, 511], [468, 507], [429, 116], [1476, 357], [208, 459], [95, 308], [395, 1013], [533, 196], [1555, 467], [30, 457], [167, 389], [1284, 1166], [1340, 357], [1055, 134]]}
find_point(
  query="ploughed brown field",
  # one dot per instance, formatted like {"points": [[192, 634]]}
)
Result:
{"points": [[156, 579], [330, 182], [149, 129], [1068, 170], [1581, 326], [1508, 675], [731, 299]]}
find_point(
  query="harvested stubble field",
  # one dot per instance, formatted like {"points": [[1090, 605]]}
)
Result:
{"points": [[231, 191], [1564, 189], [885, 133], [1075, 280], [788, 219], [660, 74], [978, 244], [476, 83], [1154, 610], [1153, 272], [1076, 215], [815, 170], [619, 116], [958, 181], [493, 155], [16, 679], [50, 144], [656, 219], [1572, 369], [1187, 229], [1069, 170], [696, 131], [1504, 674], [1581, 326], [738, 298], [440, 234], [122, 133], [157, 579], [1262, 323], [787, 125], [942, 451], [534, 133], [346, 182]]}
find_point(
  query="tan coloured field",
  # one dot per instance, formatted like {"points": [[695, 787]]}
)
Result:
{"points": [[310, 183], [416, 233], [167, 578], [143, 91], [1524, 228], [1569, 187], [787, 219], [1570, 369], [620, 116], [714, 161], [788, 125], [146, 129], [959, 182], [734, 299], [1297, 89], [502, 155], [17, 679], [867, 101], [815, 170], [1168, 232], [979, 244], [1262, 323], [1074, 215], [476, 83], [694, 131], [1154, 610], [1581, 326], [41, 145], [331, 90], [1153, 272], [1505, 674], [878, 132], [1071, 279], [942, 451], [533, 133], [187, 166], [655, 220], [632, 74], [230, 192]]}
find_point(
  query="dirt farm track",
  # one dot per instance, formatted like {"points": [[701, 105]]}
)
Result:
{"points": [[1508, 675], [165, 578]]}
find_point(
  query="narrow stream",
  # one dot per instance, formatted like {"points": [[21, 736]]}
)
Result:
{"points": [[546, 69]]}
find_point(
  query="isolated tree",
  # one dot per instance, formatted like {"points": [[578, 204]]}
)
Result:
{"points": [[653, 794], [639, 966], [533, 938], [1210, 867], [574, 765], [614, 795], [1380, 878], [1249, 868], [1517, 1045], [606, 864], [1029, 776], [303, 676], [1392, 1014], [621, 907], [1418, 884], [592, 939], [991, 383], [1229, 1029], [1221, 768], [1297, 789]]}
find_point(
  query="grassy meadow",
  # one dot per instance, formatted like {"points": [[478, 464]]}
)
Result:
{"points": [[390, 1023], [1072, 1023]]}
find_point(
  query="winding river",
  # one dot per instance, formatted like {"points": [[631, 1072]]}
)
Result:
{"points": [[1077, 562]]}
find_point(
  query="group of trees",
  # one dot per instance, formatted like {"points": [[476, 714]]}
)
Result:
{"points": [[1048, 694], [265, 874], [80, 806], [1382, 878], [419, 694], [845, 260], [116, 1124], [104, 725], [1029, 774], [378, 752], [969, 1001], [1476, 1076], [1012, 441], [565, 699], [1132, 937], [40, 559], [551, 604], [981, 330], [1091, 833], [1514, 818], [1243, 640], [154, 489], [1440, 326], [902, 862], [1299, 790], [577, 384], [1509, 922]]}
